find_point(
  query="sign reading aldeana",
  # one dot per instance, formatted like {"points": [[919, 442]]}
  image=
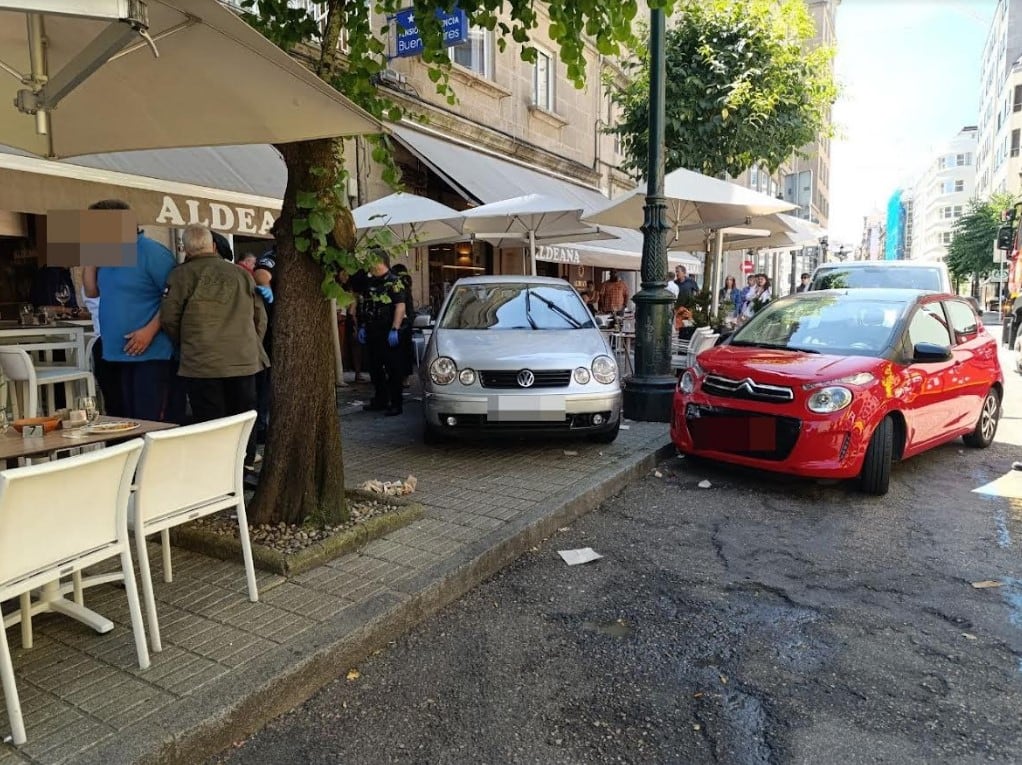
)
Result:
{"points": [[453, 25], [558, 254], [254, 221]]}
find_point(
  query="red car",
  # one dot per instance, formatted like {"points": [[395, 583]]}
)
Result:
{"points": [[839, 383]]}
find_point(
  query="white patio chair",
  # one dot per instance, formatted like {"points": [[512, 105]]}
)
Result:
{"points": [[43, 539], [187, 473], [702, 338], [19, 368]]}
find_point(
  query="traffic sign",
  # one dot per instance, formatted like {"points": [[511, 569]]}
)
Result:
{"points": [[747, 266], [999, 276]]}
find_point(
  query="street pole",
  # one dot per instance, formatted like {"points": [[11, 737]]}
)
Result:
{"points": [[649, 392]]}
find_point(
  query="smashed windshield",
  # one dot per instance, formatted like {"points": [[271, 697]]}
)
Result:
{"points": [[824, 324], [905, 277], [515, 306]]}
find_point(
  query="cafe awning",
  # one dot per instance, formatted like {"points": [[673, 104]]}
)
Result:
{"points": [[485, 178], [623, 253], [233, 189]]}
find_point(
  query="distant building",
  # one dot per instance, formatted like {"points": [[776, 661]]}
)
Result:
{"points": [[897, 225], [941, 195], [998, 160], [874, 231]]}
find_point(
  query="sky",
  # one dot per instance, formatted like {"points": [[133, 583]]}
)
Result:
{"points": [[909, 77]]}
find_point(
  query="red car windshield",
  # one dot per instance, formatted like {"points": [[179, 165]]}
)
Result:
{"points": [[836, 324]]}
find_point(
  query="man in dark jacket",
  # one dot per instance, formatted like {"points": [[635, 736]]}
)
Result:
{"points": [[687, 287], [215, 317], [381, 322]]}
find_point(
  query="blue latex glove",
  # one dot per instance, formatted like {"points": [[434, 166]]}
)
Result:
{"points": [[392, 338], [266, 292], [361, 335]]}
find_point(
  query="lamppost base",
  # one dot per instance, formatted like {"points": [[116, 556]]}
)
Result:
{"points": [[648, 399]]}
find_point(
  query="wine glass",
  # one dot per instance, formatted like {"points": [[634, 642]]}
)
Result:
{"points": [[88, 405], [62, 294]]}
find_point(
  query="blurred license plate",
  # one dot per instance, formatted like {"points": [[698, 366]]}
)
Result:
{"points": [[731, 433], [526, 409]]}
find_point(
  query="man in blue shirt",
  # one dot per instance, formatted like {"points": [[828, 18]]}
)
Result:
{"points": [[129, 312]]}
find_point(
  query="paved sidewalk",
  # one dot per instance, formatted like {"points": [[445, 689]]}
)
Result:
{"points": [[229, 665]]}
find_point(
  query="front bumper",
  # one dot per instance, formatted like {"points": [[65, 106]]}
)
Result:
{"points": [[775, 438], [546, 412]]}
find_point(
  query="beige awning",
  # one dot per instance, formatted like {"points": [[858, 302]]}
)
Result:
{"points": [[31, 185]]}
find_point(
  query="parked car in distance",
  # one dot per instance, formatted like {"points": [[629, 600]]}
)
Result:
{"points": [[888, 274], [841, 383], [518, 354]]}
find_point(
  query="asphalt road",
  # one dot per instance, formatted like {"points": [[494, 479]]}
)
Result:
{"points": [[759, 620]]}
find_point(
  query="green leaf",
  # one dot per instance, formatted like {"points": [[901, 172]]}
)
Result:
{"points": [[321, 222], [302, 243], [306, 200], [299, 225]]}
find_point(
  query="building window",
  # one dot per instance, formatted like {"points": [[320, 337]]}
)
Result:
{"points": [[942, 163], [476, 54], [963, 160], [946, 237], [956, 211], [959, 185], [1018, 99], [1015, 141], [754, 177], [543, 81]]}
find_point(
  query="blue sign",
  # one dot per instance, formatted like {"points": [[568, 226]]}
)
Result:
{"points": [[453, 25]]}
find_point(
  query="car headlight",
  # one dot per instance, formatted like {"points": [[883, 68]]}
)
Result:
{"points": [[443, 370], [688, 382], [581, 375], [833, 398], [604, 369], [467, 377]]}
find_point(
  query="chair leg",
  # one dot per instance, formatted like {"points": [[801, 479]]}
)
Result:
{"points": [[168, 568], [11, 692], [90, 385], [76, 580], [147, 591], [246, 552], [25, 605], [134, 608]]}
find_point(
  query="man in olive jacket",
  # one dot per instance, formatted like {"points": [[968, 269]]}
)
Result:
{"points": [[216, 318]]}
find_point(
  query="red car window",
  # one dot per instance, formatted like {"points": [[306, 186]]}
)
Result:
{"points": [[963, 320], [929, 326]]}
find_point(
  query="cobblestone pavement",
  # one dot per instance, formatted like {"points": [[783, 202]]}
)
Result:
{"points": [[85, 700]]}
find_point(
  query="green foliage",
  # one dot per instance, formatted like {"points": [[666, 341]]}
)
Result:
{"points": [[743, 88], [971, 252]]}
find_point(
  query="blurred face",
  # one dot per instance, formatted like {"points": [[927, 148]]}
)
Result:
{"points": [[805, 278], [751, 280], [761, 280], [680, 272], [380, 269]]}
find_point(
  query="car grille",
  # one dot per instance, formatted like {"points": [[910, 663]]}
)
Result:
{"points": [[735, 431], [747, 389], [508, 378]]}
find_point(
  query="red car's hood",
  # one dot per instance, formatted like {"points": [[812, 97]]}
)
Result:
{"points": [[768, 365]]}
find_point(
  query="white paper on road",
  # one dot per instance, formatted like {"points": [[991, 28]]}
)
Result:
{"points": [[1008, 485], [582, 555]]}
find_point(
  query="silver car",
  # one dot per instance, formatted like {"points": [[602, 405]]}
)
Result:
{"points": [[518, 354]]}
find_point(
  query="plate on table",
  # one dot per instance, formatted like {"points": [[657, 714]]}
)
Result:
{"points": [[112, 428]]}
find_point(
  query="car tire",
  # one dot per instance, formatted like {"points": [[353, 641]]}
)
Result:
{"points": [[608, 436], [432, 436], [986, 426], [875, 477]]}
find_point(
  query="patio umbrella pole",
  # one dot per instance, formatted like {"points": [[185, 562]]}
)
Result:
{"points": [[718, 266], [648, 393], [532, 252]]}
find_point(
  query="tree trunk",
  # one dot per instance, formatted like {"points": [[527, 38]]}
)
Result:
{"points": [[302, 476]]}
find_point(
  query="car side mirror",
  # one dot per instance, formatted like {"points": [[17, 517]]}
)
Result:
{"points": [[930, 353]]}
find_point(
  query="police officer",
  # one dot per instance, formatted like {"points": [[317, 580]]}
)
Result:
{"points": [[381, 323], [263, 275]]}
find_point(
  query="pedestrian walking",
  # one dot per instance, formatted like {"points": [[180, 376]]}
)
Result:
{"points": [[381, 323], [804, 283], [214, 314]]}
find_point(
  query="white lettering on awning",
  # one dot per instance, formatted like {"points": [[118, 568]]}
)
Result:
{"points": [[216, 215], [558, 254]]}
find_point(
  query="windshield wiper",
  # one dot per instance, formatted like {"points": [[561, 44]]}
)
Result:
{"points": [[773, 346], [558, 310], [528, 309]]}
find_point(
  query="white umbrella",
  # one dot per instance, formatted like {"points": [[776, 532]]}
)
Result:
{"points": [[536, 218], [216, 80], [410, 218], [695, 203]]}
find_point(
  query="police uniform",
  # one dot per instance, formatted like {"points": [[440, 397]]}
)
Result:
{"points": [[387, 365]]}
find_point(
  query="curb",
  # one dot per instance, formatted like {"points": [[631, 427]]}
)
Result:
{"points": [[281, 680]]}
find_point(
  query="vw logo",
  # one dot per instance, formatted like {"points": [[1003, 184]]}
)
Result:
{"points": [[526, 378]]}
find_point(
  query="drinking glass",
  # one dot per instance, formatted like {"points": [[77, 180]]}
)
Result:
{"points": [[88, 405], [63, 294]]}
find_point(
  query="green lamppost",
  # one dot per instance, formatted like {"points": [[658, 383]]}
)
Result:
{"points": [[648, 393]]}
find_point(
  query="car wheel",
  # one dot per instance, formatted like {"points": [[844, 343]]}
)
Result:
{"points": [[607, 437], [875, 477], [432, 436], [986, 426]]}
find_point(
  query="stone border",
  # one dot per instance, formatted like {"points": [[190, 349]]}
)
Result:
{"points": [[199, 540]]}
